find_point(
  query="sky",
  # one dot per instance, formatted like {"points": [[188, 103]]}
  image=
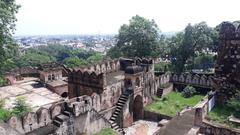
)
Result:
{"points": [[57, 17]]}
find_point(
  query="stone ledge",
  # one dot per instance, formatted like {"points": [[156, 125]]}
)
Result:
{"points": [[221, 126]]}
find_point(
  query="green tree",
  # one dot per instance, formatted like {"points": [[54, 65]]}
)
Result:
{"points": [[74, 62], [195, 38], [8, 48], [139, 38], [95, 58], [203, 61], [20, 106], [34, 58]]}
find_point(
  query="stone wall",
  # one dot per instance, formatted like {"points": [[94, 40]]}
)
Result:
{"points": [[205, 80], [104, 67], [227, 71], [85, 83], [207, 127], [44, 116], [151, 116], [210, 128]]}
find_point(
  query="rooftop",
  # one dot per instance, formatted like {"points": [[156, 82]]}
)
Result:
{"points": [[36, 95], [114, 77], [57, 83]]}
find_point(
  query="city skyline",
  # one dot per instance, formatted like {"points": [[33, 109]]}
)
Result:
{"points": [[62, 17]]}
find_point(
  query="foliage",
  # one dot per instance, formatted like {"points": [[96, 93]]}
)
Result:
{"points": [[73, 62], [139, 38], [203, 61], [188, 91], [172, 103], [8, 9], [234, 104], [69, 56], [33, 58], [94, 58], [106, 131], [163, 66], [195, 38], [2, 81], [4, 113], [220, 114], [20, 106]]}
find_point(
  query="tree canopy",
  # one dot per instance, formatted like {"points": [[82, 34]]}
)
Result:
{"points": [[138, 38], [8, 9], [186, 45]]}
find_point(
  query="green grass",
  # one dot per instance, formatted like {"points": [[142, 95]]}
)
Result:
{"points": [[220, 114], [106, 131], [172, 103], [4, 113]]}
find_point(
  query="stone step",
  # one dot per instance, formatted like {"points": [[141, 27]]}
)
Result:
{"points": [[67, 113], [111, 121], [123, 97], [61, 117], [57, 123], [116, 113], [118, 109], [120, 104], [113, 118], [114, 124], [116, 127], [121, 101]]}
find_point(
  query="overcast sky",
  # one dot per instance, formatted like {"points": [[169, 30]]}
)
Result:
{"points": [[49, 17]]}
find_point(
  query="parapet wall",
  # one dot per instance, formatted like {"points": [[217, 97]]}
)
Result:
{"points": [[207, 127], [193, 79], [104, 67], [46, 114]]}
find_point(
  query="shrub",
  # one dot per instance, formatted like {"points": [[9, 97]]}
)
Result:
{"points": [[234, 104], [4, 113], [188, 91], [21, 106], [165, 98]]}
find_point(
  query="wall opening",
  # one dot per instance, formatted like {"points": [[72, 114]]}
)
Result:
{"points": [[138, 108], [64, 95], [138, 83]]}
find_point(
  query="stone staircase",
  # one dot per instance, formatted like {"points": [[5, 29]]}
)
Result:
{"points": [[159, 92], [59, 119], [120, 104]]}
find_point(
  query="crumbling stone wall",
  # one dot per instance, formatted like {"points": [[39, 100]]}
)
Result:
{"points": [[227, 70]]}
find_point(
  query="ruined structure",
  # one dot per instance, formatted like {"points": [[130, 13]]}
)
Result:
{"points": [[110, 94], [114, 93], [123, 87], [227, 71]]}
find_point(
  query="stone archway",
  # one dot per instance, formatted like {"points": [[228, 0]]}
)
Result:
{"points": [[64, 94], [138, 108]]}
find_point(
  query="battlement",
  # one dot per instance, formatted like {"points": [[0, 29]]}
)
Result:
{"points": [[45, 115], [193, 79], [87, 78], [104, 67]]}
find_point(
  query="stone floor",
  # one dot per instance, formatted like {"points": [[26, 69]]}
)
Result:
{"points": [[142, 127]]}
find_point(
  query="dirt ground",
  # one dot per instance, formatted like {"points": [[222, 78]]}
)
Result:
{"points": [[142, 127]]}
